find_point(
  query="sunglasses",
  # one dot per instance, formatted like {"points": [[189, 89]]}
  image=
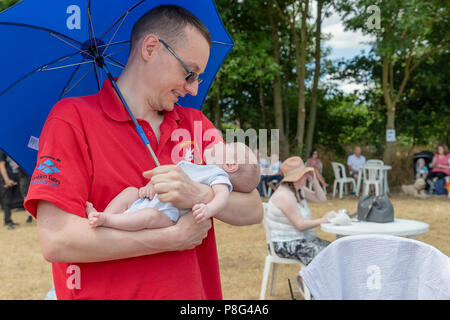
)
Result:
{"points": [[191, 76]]}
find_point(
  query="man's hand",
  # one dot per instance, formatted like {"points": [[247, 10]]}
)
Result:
{"points": [[189, 232], [10, 183], [174, 186]]}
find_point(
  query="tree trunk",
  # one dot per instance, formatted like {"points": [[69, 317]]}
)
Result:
{"points": [[286, 108], [390, 124], [262, 105], [277, 99], [300, 55], [314, 98]]}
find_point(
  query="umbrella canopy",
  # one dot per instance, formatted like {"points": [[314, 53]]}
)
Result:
{"points": [[46, 56]]}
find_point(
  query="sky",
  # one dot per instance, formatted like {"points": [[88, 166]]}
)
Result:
{"points": [[344, 44]]}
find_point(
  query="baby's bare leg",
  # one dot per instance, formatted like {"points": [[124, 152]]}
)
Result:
{"points": [[118, 205], [148, 218], [123, 201]]}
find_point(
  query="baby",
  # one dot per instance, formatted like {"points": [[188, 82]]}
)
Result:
{"points": [[228, 167], [421, 169]]}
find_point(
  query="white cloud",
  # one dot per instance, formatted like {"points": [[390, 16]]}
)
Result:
{"points": [[342, 39], [342, 42]]}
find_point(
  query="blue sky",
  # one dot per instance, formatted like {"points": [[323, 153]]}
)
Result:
{"points": [[344, 44]]}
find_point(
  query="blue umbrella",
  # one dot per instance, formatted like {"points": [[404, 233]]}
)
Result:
{"points": [[54, 49]]}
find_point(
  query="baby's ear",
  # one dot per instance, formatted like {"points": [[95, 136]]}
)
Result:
{"points": [[230, 167]]}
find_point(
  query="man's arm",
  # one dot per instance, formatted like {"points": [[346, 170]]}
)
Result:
{"points": [[65, 237], [243, 209]]}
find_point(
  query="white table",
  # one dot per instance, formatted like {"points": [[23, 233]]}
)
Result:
{"points": [[385, 169], [400, 227]]}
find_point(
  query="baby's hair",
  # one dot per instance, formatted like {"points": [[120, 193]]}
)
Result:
{"points": [[247, 176]]}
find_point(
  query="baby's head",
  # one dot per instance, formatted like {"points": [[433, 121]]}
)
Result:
{"points": [[238, 161], [420, 162]]}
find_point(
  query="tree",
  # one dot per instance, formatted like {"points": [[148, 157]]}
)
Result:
{"points": [[406, 33], [314, 92], [289, 14]]}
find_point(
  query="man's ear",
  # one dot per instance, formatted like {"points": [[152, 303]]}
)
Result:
{"points": [[148, 46], [230, 167]]}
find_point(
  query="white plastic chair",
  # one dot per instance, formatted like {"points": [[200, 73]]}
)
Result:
{"points": [[372, 175], [375, 161], [341, 179], [273, 258], [378, 267]]}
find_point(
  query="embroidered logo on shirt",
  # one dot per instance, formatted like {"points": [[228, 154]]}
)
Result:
{"points": [[45, 172], [48, 167]]}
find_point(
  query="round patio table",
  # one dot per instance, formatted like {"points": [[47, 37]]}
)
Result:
{"points": [[399, 227]]}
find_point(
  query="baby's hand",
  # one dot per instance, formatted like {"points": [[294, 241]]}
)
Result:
{"points": [[200, 212], [147, 192]]}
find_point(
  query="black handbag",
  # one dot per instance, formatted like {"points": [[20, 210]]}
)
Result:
{"points": [[375, 209]]}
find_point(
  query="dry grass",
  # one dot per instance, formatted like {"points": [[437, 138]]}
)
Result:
{"points": [[24, 274]]}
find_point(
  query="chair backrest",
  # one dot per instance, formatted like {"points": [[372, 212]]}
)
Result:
{"points": [[378, 267], [375, 161], [339, 170], [372, 171], [267, 232]]}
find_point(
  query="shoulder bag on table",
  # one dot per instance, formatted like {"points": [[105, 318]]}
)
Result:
{"points": [[375, 209]]}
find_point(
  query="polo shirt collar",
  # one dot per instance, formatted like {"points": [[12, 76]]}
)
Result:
{"points": [[113, 107]]}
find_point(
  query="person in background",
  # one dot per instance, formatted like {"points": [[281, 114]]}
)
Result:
{"points": [[317, 164], [421, 169], [440, 166], [441, 163], [9, 171], [289, 216], [355, 162], [263, 168], [274, 173]]}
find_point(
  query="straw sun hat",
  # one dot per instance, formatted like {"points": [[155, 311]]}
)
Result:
{"points": [[293, 169]]}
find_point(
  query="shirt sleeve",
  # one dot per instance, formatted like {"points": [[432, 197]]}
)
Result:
{"points": [[220, 177], [63, 173]]}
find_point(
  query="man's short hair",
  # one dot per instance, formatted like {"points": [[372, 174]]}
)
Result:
{"points": [[168, 22]]}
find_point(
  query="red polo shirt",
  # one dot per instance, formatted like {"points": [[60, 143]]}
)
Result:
{"points": [[89, 151]]}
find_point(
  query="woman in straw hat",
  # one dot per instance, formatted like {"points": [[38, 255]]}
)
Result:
{"points": [[289, 217]]}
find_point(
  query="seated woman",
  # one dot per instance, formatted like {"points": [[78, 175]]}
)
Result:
{"points": [[441, 163], [316, 163], [289, 217]]}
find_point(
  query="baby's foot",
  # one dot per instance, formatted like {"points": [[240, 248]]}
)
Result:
{"points": [[96, 219]]}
